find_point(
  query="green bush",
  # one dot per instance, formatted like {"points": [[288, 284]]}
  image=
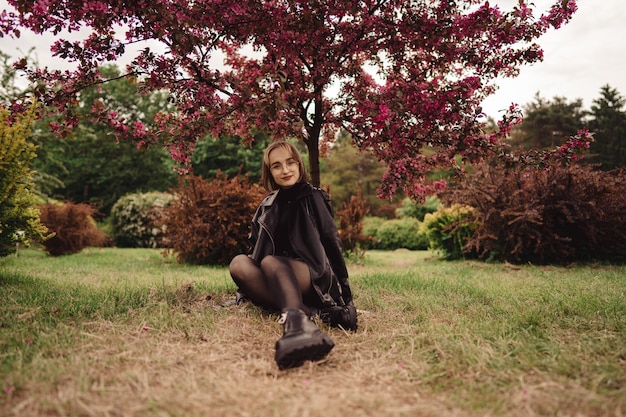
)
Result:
{"points": [[371, 224], [19, 217], [133, 220], [448, 230], [416, 210], [398, 234], [370, 230]]}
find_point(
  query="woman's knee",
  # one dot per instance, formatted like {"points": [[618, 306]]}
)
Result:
{"points": [[239, 264], [269, 264]]}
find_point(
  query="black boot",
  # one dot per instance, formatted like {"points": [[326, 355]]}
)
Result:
{"points": [[302, 340], [340, 316]]}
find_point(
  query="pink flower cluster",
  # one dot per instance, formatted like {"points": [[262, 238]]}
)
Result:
{"points": [[575, 147]]}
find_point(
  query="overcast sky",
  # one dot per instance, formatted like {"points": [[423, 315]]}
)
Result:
{"points": [[579, 58]]}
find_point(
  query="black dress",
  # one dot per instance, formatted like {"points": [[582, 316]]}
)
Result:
{"points": [[284, 201]]}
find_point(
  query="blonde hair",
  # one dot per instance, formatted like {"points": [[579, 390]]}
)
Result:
{"points": [[266, 175]]}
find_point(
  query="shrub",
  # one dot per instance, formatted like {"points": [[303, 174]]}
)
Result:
{"points": [[133, 220], [449, 229], [416, 210], [387, 211], [555, 215], [351, 218], [73, 226], [19, 217], [208, 222], [401, 233], [370, 230]]}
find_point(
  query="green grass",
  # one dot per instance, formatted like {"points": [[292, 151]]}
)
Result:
{"points": [[130, 332]]}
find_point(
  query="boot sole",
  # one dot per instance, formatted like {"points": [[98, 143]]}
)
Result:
{"points": [[293, 353]]}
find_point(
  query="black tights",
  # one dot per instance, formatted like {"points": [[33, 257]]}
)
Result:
{"points": [[277, 283]]}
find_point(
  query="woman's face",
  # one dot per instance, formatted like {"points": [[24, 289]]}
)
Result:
{"points": [[284, 168]]}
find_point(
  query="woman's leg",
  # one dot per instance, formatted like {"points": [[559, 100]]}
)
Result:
{"points": [[282, 283], [290, 283], [250, 280], [288, 280], [279, 282]]}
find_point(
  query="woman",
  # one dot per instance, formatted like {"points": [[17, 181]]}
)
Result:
{"points": [[296, 264]]}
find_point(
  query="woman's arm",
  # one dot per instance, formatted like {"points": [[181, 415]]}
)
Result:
{"points": [[331, 241], [253, 236]]}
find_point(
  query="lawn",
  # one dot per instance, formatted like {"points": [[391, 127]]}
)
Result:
{"points": [[129, 332]]}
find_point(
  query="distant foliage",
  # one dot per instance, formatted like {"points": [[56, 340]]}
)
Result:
{"points": [[395, 234], [345, 166], [209, 221], [608, 123], [133, 220], [351, 218], [73, 226], [230, 156], [19, 217], [556, 215], [547, 123], [449, 229], [370, 230], [416, 210], [90, 166]]}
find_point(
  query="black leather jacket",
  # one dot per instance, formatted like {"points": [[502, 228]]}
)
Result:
{"points": [[314, 239]]}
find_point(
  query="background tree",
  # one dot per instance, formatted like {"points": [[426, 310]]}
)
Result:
{"points": [[11, 91], [348, 171], [9, 88], [91, 165], [548, 123], [609, 126], [228, 156], [399, 75]]}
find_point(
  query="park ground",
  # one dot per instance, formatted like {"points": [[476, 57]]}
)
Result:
{"points": [[112, 332]]}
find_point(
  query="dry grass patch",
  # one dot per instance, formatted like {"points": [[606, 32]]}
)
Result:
{"points": [[227, 369]]}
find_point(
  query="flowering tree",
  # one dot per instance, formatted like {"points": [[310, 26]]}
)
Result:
{"points": [[404, 77]]}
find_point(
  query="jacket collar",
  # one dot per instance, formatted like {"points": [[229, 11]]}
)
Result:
{"points": [[305, 189], [269, 200]]}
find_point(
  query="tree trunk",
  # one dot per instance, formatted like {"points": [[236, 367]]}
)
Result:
{"points": [[314, 161], [313, 141]]}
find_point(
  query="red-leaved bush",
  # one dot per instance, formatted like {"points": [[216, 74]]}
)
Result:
{"points": [[351, 217], [208, 222], [557, 215], [73, 226]]}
